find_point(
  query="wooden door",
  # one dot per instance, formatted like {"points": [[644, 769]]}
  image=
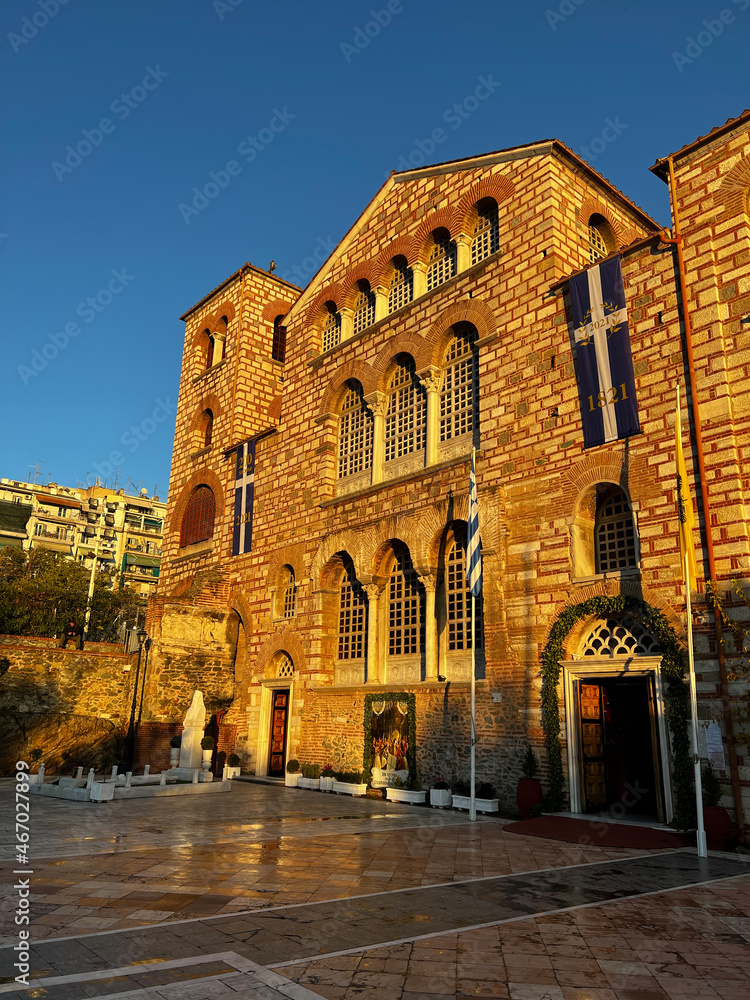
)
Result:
{"points": [[593, 759], [279, 722]]}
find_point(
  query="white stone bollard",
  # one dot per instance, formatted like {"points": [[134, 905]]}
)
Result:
{"points": [[195, 777], [40, 775], [146, 770], [90, 779], [114, 772], [128, 778], [79, 773], [224, 773], [163, 778]]}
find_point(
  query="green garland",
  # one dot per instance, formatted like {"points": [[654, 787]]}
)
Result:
{"points": [[676, 696], [411, 721]]}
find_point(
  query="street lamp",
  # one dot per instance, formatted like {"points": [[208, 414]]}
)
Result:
{"points": [[94, 556], [129, 754]]}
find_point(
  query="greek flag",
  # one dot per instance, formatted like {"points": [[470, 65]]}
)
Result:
{"points": [[473, 541], [244, 495], [606, 383]]}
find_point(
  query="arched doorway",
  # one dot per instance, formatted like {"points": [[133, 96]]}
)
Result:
{"points": [[275, 719]]}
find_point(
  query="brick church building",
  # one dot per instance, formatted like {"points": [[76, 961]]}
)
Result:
{"points": [[440, 323]]}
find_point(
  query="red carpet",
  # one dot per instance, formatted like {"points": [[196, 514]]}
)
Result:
{"points": [[596, 833]]}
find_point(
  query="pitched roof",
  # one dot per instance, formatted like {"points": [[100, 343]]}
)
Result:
{"points": [[245, 267], [661, 167]]}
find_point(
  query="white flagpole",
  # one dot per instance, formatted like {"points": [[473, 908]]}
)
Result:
{"points": [[472, 800], [701, 835]]}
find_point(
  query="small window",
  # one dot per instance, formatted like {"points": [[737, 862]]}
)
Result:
{"points": [[352, 619], [601, 238], [199, 517], [442, 262], [364, 307], [209, 347], [331, 328], [207, 427], [486, 236], [288, 593], [614, 532], [278, 348], [355, 435], [401, 291]]}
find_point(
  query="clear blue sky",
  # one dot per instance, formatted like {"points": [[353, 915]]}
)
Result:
{"points": [[219, 72]]}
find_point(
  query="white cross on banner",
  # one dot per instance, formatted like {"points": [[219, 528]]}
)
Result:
{"points": [[244, 495]]}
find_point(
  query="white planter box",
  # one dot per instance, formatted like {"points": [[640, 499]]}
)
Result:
{"points": [[481, 805], [326, 784], [233, 772], [405, 795], [313, 783], [291, 780], [345, 788], [440, 797]]}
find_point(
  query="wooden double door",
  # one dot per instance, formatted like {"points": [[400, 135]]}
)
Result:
{"points": [[620, 772], [277, 736]]}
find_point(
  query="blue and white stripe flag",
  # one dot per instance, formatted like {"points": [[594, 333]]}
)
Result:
{"points": [[244, 495], [606, 383], [473, 541]]}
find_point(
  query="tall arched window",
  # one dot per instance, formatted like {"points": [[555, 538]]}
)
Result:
{"points": [[442, 260], [364, 307], [405, 420], [287, 593], [278, 347], [331, 327], [352, 618], [207, 428], [458, 601], [405, 607], [486, 236], [601, 238], [401, 290], [614, 533], [209, 349], [355, 435], [457, 403], [199, 516]]}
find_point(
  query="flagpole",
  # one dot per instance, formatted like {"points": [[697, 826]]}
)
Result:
{"points": [[472, 800]]}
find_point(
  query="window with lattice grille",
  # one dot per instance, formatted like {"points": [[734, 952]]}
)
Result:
{"points": [[198, 520], [405, 420], [442, 263], [614, 533], [457, 413], [355, 436], [401, 291], [278, 348], [597, 243], [486, 236], [364, 310], [405, 611], [352, 620], [620, 637], [332, 331], [458, 601], [285, 667], [289, 593]]}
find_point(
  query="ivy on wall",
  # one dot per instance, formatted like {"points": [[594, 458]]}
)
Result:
{"points": [[411, 723], [676, 696]]}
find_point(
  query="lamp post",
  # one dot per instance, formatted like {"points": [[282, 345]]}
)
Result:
{"points": [[94, 556], [129, 754]]}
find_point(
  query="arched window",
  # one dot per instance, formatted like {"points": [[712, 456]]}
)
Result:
{"points": [[207, 428], [486, 236], [352, 618], [457, 403], [355, 435], [401, 290], [364, 307], [405, 607], [458, 601], [331, 327], [405, 420], [442, 261], [199, 517], [601, 238], [209, 348], [278, 348], [614, 534], [288, 593], [285, 666]]}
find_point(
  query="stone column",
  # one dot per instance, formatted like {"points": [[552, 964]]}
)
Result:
{"points": [[373, 591], [428, 581], [381, 303], [378, 403], [432, 379], [347, 323], [463, 252], [219, 344], [419, 270]]}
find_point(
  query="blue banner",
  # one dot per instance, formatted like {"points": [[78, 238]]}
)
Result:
{"points": [[244, 495], [606, 383]]}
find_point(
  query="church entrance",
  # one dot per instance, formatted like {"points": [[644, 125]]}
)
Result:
{"points": [[277, 736], [619, 746]]}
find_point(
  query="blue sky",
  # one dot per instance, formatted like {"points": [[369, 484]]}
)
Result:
{"points": [[183, 85]]}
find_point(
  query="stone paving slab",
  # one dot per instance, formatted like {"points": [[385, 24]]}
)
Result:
{"points": [[290, 934]]}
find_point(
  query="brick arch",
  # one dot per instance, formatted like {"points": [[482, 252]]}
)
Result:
{"points": [[735, 191], [198, 335], [407, 342], [498, 186], [404, 245], [289, 555], [275, 308], [365, 270], [590, 470], [281, 642], [332, 293], [210, 402], [355, 543], [359, 370], [593, 206], [201, 477], [225, 309], [444, 218], [475, 311]]}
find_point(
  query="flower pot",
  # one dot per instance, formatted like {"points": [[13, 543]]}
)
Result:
{"points": [[206, 761], [405, 795], [440, 798], [326, 784], [718, 825], [347, 788], [312, 783], [291, 780], [174, 756], [481, 805], [528, 794]]}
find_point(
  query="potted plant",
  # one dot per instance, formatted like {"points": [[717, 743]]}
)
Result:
{"points": [[310, 777], [292, 774], [440, 794], [349, 783], [529, 791], [207, 746], [174, 750], [326, 778], [484, 797], [233, 766], [716, 819], [409, 792]]}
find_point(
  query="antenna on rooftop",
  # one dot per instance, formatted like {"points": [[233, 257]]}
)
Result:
{"points": [[36, 470]]}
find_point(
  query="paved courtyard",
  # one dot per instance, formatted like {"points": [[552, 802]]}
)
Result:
{"points": [[270, 892]]}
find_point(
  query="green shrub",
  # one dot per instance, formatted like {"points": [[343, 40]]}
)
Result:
{"points": [[349, 777], [292, 767], [207, 743], [310, 771], [233, 760], [530, 765], [397, 782], [176, 742]]}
